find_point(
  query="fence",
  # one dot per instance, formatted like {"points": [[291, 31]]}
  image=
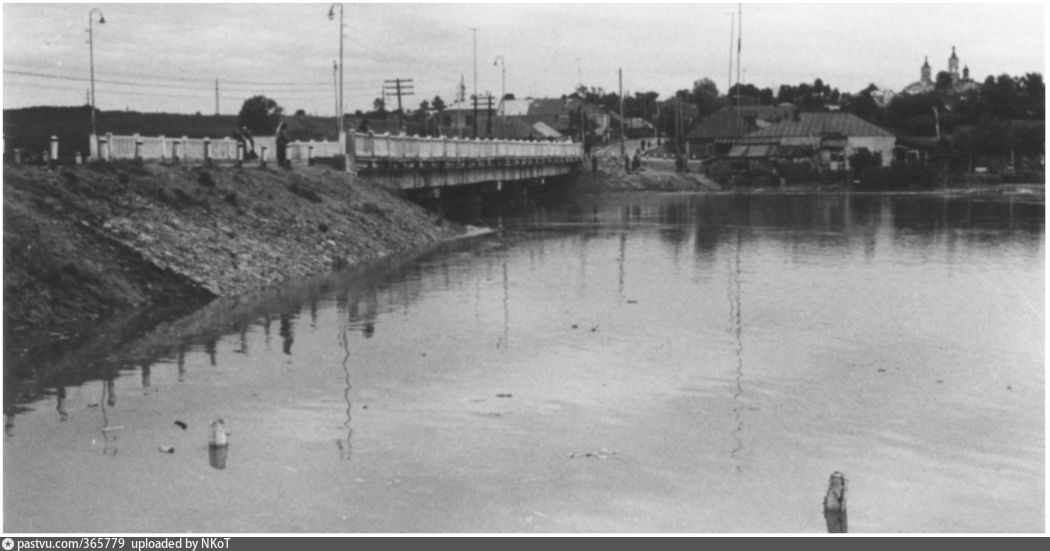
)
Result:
{"points": [[365, 146]]}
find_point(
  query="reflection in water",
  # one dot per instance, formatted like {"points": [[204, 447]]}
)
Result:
{"points": [[60, 395], [504, 341], [792, 242], [286, 333], [209, 347], [346, 449], [620, 261], [109, 433], [145, 376], [734, 307], [9, 424]]}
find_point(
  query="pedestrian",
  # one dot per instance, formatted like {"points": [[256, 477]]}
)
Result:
{"points": [[637, 160], [249, 144], [626, 163], [282, 146], [363, 127], [594, 163]]}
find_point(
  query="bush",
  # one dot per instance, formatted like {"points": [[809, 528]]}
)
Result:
{"points": [[204, 178]]}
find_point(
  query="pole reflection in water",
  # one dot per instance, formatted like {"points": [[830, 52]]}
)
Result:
{"points": [[737, 322], [63, 414], [109, 433], [345, 448], [181, 361], [504, 341], [287, 338]]}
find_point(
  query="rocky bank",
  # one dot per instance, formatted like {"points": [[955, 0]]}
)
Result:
{"points": [[83, 242]]}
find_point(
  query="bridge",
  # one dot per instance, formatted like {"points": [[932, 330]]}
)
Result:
{"points": [[396, 161]]}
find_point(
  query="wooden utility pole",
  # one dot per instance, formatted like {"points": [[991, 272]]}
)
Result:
{"points": [[216, 97], [739, 36], [623, 146], [401, 87]]}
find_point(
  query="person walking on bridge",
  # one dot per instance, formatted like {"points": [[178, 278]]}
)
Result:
{"points": [[282, 146]]}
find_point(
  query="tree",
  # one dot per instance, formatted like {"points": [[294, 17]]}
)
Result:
{"points": [[438, 104], [943, 85], [260, 115], [300, 113], [379, 105], [508, 96], [705, 94]]}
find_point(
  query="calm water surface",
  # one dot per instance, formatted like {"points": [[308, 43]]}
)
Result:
{"points": [[642, 363]]}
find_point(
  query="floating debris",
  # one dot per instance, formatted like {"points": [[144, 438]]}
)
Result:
{"points": [[632, 302], [880, 370], [166, 449], [181, 425], [602, 454], [504, 395]]}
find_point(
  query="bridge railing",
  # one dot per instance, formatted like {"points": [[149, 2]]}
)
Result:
{"points": [[411, 148], [366, 146]]}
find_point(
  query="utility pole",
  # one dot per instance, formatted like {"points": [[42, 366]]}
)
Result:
{"points": [[335, 86], [401, 87], [474, 97], [216, 97], [487, 100], [623, 146], [739, 37], [732, 35]]}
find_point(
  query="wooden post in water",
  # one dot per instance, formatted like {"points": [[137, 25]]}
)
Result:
{"points": [[217, 445], [835, 504]]}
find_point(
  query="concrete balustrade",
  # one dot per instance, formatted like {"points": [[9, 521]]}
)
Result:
{"points": [[365, 147]]}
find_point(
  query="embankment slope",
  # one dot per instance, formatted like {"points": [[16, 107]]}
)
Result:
{"points": [[83, 242]]}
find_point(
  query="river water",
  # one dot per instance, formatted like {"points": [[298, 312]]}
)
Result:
{"points": [[633, 363]]}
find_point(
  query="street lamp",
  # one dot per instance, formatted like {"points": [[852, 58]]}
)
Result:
{"points": [[91, 50], [503, 91], [331, 16]]}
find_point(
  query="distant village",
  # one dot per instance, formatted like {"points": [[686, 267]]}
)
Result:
{"points": [[946, 118]]}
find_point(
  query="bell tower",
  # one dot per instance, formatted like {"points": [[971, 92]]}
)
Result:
{"points": [[953, 65], [926, 71]]}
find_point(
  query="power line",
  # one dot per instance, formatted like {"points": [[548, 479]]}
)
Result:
{"points": [[141, 84]]}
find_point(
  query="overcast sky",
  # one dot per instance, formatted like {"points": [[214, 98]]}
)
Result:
{"points": [[165, 57]]}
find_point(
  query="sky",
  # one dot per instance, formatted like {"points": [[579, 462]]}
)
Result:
{"points": [[153, 57]]}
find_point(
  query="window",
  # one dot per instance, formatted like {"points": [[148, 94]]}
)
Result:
{"points": [[446, 120]]}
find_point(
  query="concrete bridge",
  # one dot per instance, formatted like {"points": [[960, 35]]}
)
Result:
{"points": [[400, 162], [406, 162]]}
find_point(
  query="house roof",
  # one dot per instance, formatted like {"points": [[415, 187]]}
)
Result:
{"points": [[547, 107], [516, 107], [546, 131], [728, 122], [816, 124]]}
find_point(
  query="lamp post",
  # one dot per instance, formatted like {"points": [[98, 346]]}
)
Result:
{"points": [[91, 51], [331, 15], [503, 91]]}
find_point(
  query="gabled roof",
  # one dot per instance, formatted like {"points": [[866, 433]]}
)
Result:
{"points": [[547, 107], [816, 124], [516, 107], [728, 122]]}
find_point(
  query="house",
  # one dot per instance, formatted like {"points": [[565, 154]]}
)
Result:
{"points": [[633, 127], [457, 120], [832, 137], [711, 137]]}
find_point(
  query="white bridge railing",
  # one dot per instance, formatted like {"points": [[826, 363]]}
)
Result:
{"points": [[365, 147], [412, 148]]}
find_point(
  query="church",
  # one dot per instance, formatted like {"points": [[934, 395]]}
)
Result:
{"points": [[926, 83]]}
